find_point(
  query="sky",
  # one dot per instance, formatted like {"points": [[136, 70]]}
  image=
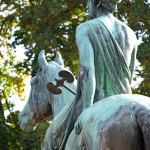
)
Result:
{"points": [[19, 104]]}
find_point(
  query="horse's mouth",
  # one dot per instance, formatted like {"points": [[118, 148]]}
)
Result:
{"points": [[26, 127]]}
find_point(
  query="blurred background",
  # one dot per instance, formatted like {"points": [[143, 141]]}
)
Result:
{"points": [[29, 26]]}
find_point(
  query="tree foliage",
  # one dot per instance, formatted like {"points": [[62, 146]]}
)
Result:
{"points": [[51, 25]]}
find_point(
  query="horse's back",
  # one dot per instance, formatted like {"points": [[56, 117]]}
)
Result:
{"points": [[110, 124]]}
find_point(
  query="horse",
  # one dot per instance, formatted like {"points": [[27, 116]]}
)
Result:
{"points": [[119, 122], [41, 103]]}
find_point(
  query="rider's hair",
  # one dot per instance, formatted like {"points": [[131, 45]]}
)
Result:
{"points": [[109, 5]]}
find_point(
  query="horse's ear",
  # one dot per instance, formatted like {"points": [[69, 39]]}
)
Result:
{"points": [[58, 59], [41, 60]]}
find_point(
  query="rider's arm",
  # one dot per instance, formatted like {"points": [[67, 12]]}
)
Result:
{"points": [[86, 66]]}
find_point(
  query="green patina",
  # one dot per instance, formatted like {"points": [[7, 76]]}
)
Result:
{"points": [[111, 71], [107, 53]]}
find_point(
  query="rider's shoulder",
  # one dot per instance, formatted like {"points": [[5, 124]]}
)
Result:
{"points": [[83, 28], [126, 28]]}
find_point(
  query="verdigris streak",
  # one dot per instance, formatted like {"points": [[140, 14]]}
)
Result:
{"points": [[104, 114]]}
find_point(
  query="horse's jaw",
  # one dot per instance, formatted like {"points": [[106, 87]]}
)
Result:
{"points": [[27, 124]]}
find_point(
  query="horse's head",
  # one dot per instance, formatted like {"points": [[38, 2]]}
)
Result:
{"points": [[39, 103]]}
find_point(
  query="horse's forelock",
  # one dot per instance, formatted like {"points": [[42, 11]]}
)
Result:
{"points": [[55, 68]]}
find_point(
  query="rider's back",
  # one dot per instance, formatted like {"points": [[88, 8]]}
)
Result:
{"points": [[124, 35]]}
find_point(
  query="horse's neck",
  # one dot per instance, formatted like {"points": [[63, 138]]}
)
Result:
{"points": [[59, 101]]}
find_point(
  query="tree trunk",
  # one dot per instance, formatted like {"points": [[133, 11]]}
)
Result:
{"points": [[4, 136]]}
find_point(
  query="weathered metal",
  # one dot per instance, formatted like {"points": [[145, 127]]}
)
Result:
{"points": [[119, 122], [66, 76], [103, 115]]}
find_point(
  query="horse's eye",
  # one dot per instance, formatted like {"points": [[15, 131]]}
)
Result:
{"points": [[33, 80]]}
